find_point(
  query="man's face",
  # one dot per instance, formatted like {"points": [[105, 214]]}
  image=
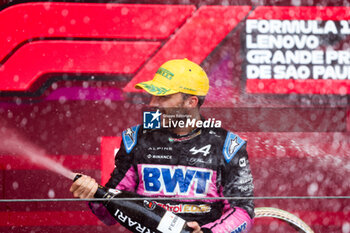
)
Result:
{"points": [[171, 105]]}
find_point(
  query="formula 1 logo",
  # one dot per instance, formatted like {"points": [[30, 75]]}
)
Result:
{"points": [[87, 38], [56, 37], [179, 180]]}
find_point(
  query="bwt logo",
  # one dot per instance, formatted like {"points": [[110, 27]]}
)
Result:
{"points": [[172, 181], [240, 228], [151, 120]]}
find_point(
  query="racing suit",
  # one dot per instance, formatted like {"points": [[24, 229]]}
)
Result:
{"points": [[209, 162]]}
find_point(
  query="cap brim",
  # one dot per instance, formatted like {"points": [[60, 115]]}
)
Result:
{"points": [[155, 88]]}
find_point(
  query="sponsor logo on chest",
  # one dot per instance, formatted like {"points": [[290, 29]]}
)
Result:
{"points": [[164, 152], [186, 208], [179, 180], [162, 148], [150, 156]]}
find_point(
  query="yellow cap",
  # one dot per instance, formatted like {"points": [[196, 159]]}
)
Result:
{"points": [[179, 75]]}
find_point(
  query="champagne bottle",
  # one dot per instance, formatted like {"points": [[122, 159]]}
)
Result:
{"points": [[141, 216]]}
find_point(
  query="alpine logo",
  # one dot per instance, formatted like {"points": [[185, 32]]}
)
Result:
{"points": [[205, 150], [179, 180]]}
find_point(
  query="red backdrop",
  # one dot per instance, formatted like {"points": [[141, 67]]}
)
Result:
{"points": [[67, 72]]}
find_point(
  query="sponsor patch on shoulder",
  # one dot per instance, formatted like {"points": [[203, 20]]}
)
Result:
{"points": [[130, 138], [232, 144]]}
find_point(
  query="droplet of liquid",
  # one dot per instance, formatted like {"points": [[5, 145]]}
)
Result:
{"points": [[51, 193], [15, 185]]}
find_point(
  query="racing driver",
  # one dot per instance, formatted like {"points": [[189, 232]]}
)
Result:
{"points": [[164, 158]]}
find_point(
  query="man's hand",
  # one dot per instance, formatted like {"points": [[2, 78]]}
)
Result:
{"points": [[195, 226], [84, 187]]}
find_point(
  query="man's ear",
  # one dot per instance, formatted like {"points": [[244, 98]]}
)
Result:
{"points": [[192, 101]]}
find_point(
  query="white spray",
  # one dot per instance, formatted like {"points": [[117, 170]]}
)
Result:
{"points": [[11, 142]]}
